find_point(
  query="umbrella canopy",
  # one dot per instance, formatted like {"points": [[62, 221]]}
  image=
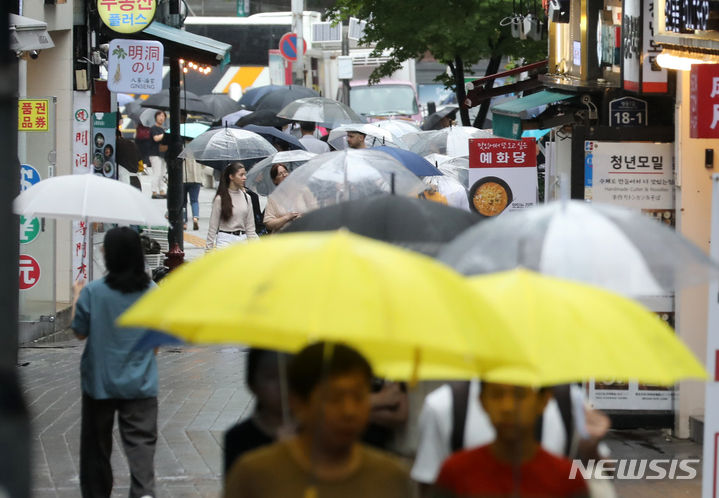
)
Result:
{"points": [[232, 118], [576, 332], [188, 102], [193, 130], [227, 144], [251, 96], [303, 287], [412, 223], [220, 104], [397, 127], [452, 141], [448, 191], [259, 179], [272, 134], [375, 136], [276, 100], [89, 197], [432, 121], [147, 117], [328, 112], [341, 176], [616, 248], [262, 118], [455, 167], [413, 162], [134, 110]]}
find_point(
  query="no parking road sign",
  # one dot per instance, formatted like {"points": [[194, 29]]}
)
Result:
{"points": [[288, 46]]}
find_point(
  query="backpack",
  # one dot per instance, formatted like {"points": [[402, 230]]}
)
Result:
{"points": [[460, 401], [142, 132]]}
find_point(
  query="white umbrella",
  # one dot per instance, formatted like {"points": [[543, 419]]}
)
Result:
{"points": [[375, 136], [608, 246], [89, 197], [259, 179], [397, 127], [452, 141], [334, 177], [328, 112], [455, 167], [452, 190], [232, 118], [227, 144]]}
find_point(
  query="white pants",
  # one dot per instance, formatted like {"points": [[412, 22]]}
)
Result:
{"points": [[227, 239], [158, 172]]}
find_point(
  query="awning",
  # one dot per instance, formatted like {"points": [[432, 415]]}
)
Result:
{"points": [[28, 34], [507, 117], [186, 45]]}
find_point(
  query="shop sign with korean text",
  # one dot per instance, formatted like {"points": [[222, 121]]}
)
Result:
{"points": [[126, 16], [135, 66], [640, 50], [82, 165], [502, 174], [704, 101], [32, 115]]}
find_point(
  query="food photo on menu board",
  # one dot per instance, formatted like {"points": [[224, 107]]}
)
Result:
{"points": [[502, 175]]}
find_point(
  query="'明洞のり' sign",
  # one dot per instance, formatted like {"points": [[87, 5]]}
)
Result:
{"points": [[126, 16], [135, 66], [32, 115]]}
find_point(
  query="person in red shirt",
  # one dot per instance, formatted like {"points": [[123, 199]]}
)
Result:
{"points": [[514, 464]]}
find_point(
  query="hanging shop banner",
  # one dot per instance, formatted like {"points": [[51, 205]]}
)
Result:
{"points": [[104, 125], [636, 175], [502, 175], [126, 16], [81, 146], [704, 101], [135, 66], [640, 70], [32, 114]]}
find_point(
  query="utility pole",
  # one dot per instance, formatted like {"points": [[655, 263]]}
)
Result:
{"points": [[298, 7], [345, 67], [175, 236]]}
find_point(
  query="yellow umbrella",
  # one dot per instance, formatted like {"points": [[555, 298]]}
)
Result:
{"points": [[411, 316], [576, 332]]}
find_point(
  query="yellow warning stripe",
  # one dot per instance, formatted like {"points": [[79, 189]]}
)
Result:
{"points": [[195, 240]]}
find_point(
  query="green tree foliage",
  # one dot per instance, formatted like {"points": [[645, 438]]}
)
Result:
{"points": [[458, 33]]}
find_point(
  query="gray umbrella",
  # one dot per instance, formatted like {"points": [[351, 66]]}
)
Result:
{"points": [[188, 102], [327, 112], [227, 144]]}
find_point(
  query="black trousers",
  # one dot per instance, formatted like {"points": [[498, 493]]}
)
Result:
{"points": [[137, 421]]}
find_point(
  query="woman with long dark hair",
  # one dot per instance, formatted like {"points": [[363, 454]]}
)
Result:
{"points": [[115, 377], [232, 219]]}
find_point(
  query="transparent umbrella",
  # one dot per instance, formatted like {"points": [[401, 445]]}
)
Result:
{"points": [[328, 112], [397, 127], [451, 192], [340, 176], [452, 141], [455, 167], [375, 136], [258, 178], [612, 247], [227, 144]]}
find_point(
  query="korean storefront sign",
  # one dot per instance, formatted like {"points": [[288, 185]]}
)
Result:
{"points": [[82, 142], [135, 66], [636, 175], [502, 174], [704, 101], [126, 16], [641, 72], [32, 115]]}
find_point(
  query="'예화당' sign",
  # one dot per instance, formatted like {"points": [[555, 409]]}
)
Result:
{"points": [[135, 66], [32, 115], [704, 101], [126, 16], [502, 174]]}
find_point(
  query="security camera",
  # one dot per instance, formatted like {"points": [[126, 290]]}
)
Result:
{"points": [[34, 54]]}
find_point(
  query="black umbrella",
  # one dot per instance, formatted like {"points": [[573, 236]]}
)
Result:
{"points": [[431, 121], [276, 101], [250, 98], [188, 102], [272, 134], [220, 104], [417, 224], [262, 118]]}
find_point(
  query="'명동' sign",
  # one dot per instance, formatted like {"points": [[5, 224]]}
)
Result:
{"points": [[135, 66], [126, 16]]}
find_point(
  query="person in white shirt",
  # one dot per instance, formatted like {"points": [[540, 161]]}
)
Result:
{"points": [[309, 141], [232, 218], [436, 431]]}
